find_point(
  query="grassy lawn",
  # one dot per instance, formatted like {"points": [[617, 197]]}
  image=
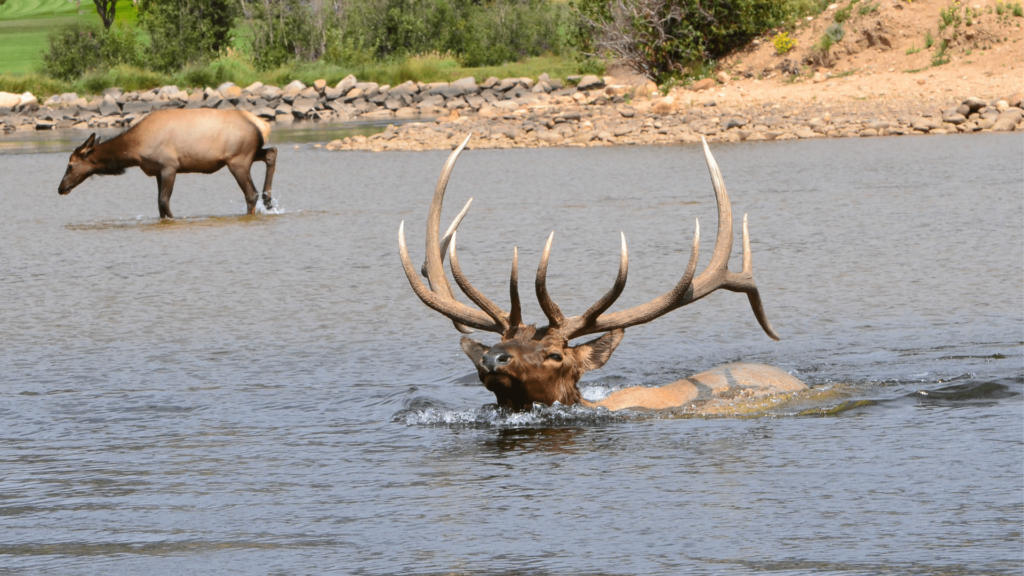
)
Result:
{"points": [[24, 25]]}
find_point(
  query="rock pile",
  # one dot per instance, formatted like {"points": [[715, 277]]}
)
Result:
{"points": [[586, 120], [348, 100]]}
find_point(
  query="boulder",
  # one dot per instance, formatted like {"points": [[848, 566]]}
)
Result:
{"points": [[8, 100], [319, 84], [590, 82], [468, 85], [28, 102], [231, 92], [254, 88], [975, 104], [295, 85], [1007, 121], [733, 122], [663, 106], [722, 77], [702, 85], [109, 106], [1016, 100]]}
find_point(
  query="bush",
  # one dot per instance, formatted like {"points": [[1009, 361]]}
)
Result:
{"points": [[286, 30], [663, 38], [186, 31], [76, 49], [783, 43]]}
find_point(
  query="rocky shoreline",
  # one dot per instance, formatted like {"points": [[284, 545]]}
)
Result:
{"points": [[521, 112]]}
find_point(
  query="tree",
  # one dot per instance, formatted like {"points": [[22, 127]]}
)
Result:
{"points": [[186, 31], [106, 10]]}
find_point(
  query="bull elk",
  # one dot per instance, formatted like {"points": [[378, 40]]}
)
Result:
{"points": [[168, 142], [533, 364]]}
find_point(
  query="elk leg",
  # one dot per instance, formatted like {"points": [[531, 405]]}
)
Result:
{"points": [[165, 184], [244, 179], [269, 157]]}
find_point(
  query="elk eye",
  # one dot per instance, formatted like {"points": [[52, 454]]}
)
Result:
{"points": [[555, 356]]}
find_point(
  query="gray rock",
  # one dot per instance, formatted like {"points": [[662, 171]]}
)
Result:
{"points": [[352, 95], [1007, 121], [347, 83], [627, 111], [114, 92], [211, 101], [304, 105], [264, 112], [109, 106], [975, 104], [225, 105], [406, 89], [468, 85], [922, 124], [506, 85], [879, 125], [137, 107], [295, 85], [392, 103], [284, 108], [734, 123], [569, 115], [590, 82]]}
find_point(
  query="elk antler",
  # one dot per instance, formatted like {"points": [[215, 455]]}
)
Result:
{"points": [[439, 296], [494, 319], [688, 290]]}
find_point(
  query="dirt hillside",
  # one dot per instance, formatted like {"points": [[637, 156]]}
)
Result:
{"points": [[883, 55]]}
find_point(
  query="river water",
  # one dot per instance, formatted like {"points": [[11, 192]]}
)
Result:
{"points": [[265, 395]]}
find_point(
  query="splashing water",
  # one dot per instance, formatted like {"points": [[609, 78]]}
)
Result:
{"points": [[275, 208]]}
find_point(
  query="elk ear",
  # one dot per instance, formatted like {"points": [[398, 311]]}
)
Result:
{"points": [[473, 349], [594, 354], [85, 149]]}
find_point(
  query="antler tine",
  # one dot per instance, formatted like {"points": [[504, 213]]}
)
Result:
{"points": [[443, 248], [497, 314], [715, 276], [580, 325], [554, 314], [515, 316], [435, 270], [608, 299], [458, 312]]}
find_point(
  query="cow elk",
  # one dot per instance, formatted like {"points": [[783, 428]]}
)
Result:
{"points": [[533, 364], [169, 142]]}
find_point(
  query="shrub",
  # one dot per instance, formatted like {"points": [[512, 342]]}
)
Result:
{"points": [[783, 43], [929, 40], [663, 38], [186, 31], [950, 15], [835, 32], [843, 14], [1018, 10], [76, 49], [940, 57]]}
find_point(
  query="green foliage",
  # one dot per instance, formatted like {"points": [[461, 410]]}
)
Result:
{"points": [[835, 32], [867, 9], [1018, 10], [186, 31], [286, 30], [950, 15], [663, 38], [912, 50], [783, 43], [940, 57], [929, 40], [77, 48], [843, 14]]}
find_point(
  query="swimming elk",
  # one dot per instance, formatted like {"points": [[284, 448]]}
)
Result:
{"points": [[169, 142], [533, 364]]}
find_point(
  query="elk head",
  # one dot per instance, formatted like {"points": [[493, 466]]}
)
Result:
{"points": [[533, 364], [83, 164]]}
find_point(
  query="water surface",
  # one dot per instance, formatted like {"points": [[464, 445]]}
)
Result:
{"points": [[265, 395]]}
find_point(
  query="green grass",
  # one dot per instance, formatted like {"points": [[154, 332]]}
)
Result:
{"points": [[25, 24]]}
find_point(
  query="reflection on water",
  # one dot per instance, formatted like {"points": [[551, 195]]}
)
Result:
{"points": [[264, 394]]}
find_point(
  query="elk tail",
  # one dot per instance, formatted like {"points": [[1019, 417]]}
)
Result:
{"points": [[260, 125]]}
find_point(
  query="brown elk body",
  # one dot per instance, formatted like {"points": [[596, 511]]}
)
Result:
{"points": [[533, 364], [169, 142]]}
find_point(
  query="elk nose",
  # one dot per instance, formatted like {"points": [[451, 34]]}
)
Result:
{"points": [[496, 359]]}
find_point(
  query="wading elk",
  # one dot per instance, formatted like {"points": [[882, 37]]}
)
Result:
{"points": [[169, 142], [533, 364]]}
